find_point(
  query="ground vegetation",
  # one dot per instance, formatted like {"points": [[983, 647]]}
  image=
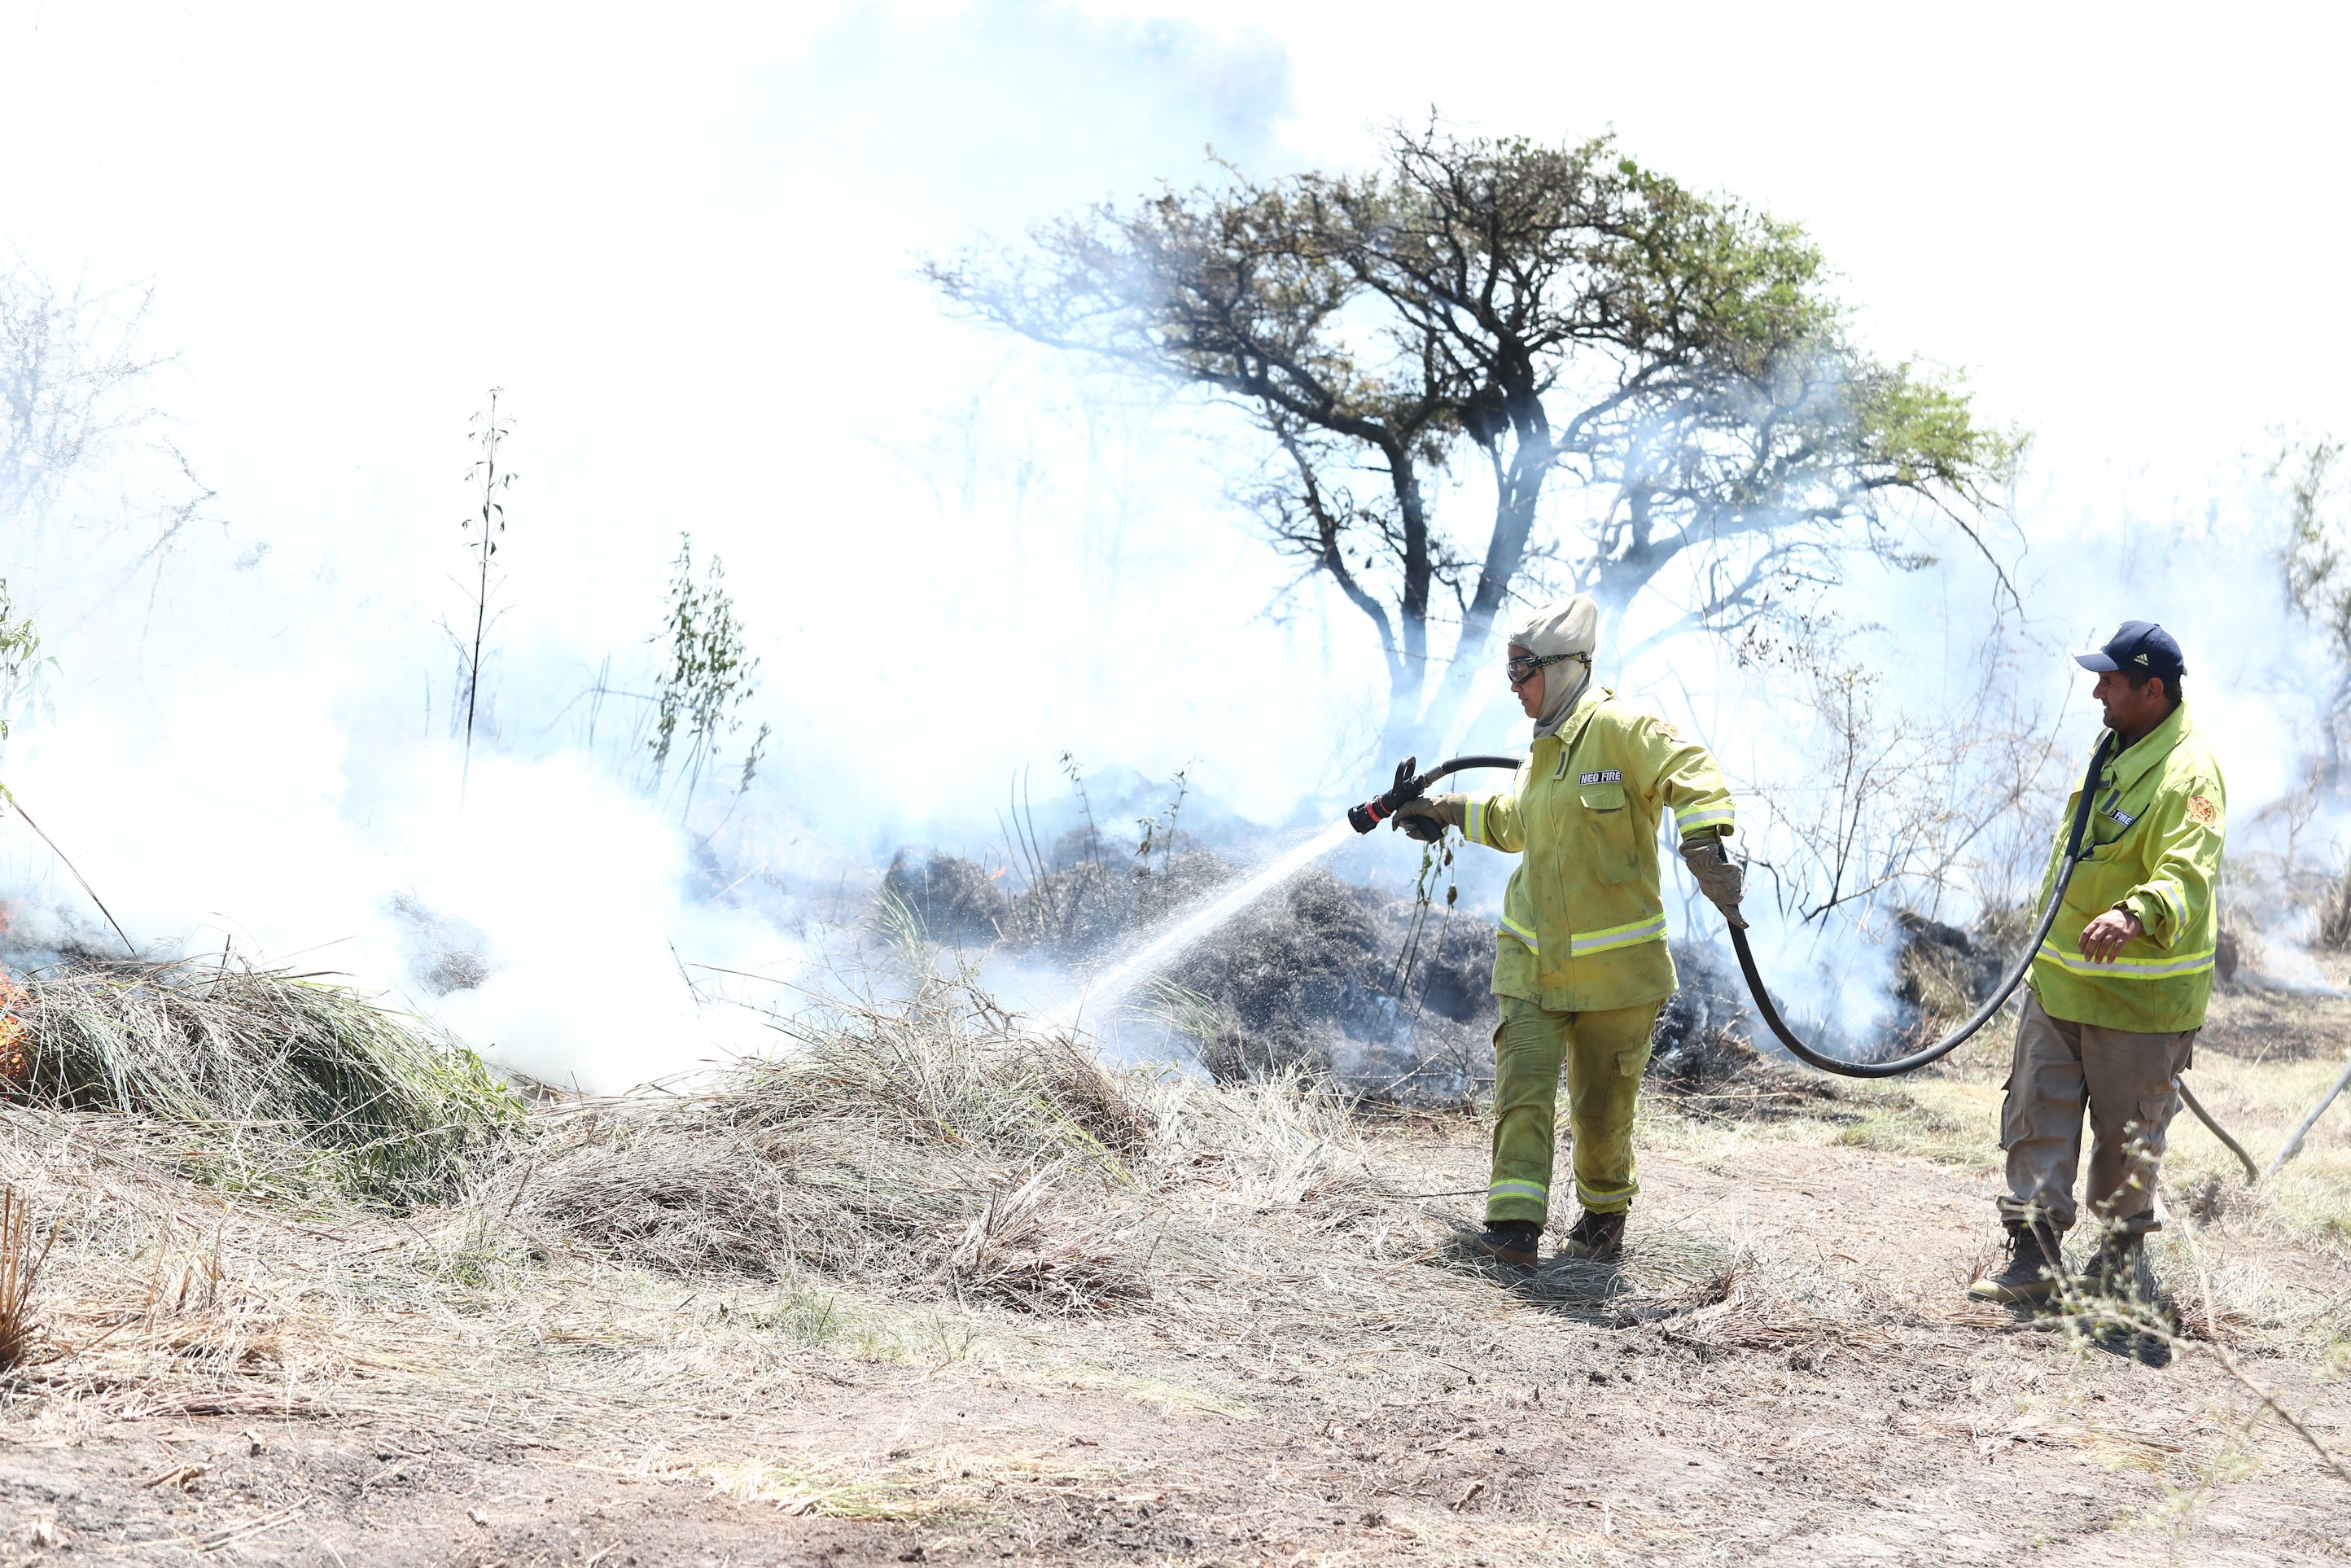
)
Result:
{"points": [[933, 1287], [1380, 994], [287, 1083], [484, 528]]}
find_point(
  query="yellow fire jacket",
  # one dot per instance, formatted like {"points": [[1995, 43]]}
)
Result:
{"points": [[1583, 921], [2156, 824]]}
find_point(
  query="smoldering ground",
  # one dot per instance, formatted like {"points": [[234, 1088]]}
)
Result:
{"points": [[903, 1274]]}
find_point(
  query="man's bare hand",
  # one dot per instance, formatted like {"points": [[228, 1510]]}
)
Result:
{"points": [[2104, 938]]}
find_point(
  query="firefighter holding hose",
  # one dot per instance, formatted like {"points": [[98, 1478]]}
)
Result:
{"points": [[1579, 965], [2118, 988]]}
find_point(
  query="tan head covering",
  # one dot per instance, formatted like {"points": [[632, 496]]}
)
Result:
{"points": [[1569, 626]]}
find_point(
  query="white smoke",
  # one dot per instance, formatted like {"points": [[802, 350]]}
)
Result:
{"points": [[684, 252]]}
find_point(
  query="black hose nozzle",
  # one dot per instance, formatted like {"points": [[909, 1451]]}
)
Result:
{"points": [[1380, 807], [1410, 787]]}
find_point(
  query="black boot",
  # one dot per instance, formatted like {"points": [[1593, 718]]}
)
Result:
{"points": [[1596, 1235], [2035, 1262], [1511, 1241], [2129, 1314], [2119, 1268]]}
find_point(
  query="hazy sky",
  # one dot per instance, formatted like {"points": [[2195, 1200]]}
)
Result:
{"points": [[684, 240], [2123, 220], [685, 247]]}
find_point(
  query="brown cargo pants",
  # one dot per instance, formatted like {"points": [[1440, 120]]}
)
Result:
{"points": [[2130, 1082]]}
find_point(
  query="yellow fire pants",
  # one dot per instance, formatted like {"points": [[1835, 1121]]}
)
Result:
{"points": [[1603, 1053]]}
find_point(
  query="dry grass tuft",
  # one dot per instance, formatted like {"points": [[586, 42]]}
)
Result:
{"points": [[934, 1148], [927, 1145], [307, 1081], [1013, 1253], [675, 1202], [937, 1147], [20, 1272]]}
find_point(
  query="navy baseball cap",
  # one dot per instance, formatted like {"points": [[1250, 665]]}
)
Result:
{"points": [[2139, 649]]}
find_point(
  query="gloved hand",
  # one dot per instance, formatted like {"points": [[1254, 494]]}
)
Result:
{"points": [[1425, 820], [1719, 877]]}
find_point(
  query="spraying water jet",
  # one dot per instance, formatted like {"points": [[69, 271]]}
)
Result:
{"points": [[1105, 990], [1408, 786]]}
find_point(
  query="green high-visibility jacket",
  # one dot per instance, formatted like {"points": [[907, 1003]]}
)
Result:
{"points": [[2156, 824], [1583, 921]]}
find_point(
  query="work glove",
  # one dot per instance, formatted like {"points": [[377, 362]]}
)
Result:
{"points": [[1719, 877], [1425, 820]]}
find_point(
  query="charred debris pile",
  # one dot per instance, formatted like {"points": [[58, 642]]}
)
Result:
{"points": [[1383, 994]]}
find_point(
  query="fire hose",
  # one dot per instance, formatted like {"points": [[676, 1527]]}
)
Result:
{"points": [[1409, 786]]}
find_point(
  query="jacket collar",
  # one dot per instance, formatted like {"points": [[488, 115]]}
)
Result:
{"points": [[2151, 748], [1579, 718]]}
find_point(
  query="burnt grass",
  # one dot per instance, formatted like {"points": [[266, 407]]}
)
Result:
{"points": [[1380, 994], [1385, 996]]}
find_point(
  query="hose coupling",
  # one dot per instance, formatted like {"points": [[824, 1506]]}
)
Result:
{"points": [[1380, 807]]}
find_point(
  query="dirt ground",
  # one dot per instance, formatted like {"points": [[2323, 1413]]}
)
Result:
{"points": [[1785, 1369]]}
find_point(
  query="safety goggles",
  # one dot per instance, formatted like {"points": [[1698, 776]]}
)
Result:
{"points": [[1523, 670]]}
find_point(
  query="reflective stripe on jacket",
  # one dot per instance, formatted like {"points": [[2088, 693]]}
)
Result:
{"points": [[1584, 921], [2156, 825]]}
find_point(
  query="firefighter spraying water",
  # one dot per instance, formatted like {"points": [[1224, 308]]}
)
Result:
{"points": [[1580, 962], [2120, 960]]}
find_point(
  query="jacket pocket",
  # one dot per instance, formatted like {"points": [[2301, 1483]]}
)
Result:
{"points": [[2098, 883], [1602, 797], [1610, 817]]}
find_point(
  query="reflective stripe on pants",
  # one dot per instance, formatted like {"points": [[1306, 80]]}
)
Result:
{"points": [[1602, 1054]]}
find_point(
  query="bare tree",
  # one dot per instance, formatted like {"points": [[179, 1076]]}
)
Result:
{"points": [[1915, 806], [65, 360], [2317, 562], [74, 369], [1539, 312]]}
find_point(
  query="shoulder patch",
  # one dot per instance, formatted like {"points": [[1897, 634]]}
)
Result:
{"points": [[2202, 809], [1668, 731]]}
